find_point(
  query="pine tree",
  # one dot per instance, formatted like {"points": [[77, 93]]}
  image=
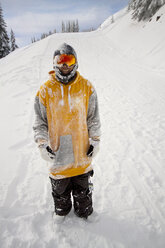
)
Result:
{"points": [[4, 39], [77, 26], [68, 27], [63, 27], [112, 19], [33, 39], [132, 4], [13, 44], [144, 9], [43, 36], [71, 27]]}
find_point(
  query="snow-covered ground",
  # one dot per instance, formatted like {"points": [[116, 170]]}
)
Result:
{"points": [[125, 62]]}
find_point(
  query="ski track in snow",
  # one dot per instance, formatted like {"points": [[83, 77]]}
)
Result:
{"points": [[129, 171]]}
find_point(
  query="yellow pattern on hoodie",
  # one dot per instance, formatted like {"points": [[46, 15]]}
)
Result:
{"points": [[66, 107]]}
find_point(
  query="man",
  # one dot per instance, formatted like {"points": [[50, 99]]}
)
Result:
{"points": [[67, 131]]}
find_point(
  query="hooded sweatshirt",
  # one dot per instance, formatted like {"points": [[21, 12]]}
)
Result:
{"points": [[66, 116]]}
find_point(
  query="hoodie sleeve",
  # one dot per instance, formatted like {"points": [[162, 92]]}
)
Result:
{"points": [[40, 126], [93, 119]]}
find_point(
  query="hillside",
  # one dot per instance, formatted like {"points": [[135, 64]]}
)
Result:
{"points": [[125, 63]]}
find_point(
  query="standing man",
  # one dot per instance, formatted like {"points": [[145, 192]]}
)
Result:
{"points": [[67, 131]]}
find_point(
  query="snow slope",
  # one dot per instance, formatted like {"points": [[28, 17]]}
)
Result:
{"points": [[125, 63]]}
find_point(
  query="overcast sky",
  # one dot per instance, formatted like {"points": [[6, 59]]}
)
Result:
{"points": [[30, 18]]}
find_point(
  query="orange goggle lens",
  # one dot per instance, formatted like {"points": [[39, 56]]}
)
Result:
{"points": [[68, 59]]}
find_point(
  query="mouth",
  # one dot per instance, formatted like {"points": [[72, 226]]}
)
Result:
{"points": [[65, 71], [64, 68]]}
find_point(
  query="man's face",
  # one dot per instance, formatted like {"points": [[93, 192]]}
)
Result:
{"points": [[65, 69], [65, 63]]}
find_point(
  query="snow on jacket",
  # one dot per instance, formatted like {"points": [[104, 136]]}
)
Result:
{"points": [[66, 115]]}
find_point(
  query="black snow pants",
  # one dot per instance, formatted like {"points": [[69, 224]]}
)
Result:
{"points": [[78, 186]]}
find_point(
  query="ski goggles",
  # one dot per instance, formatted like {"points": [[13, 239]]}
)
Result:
{"points": [[61, 59]]}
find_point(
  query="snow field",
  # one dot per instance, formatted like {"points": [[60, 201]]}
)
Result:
{"points": [[129, 170]]}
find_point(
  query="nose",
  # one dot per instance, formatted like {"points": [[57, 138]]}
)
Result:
{"points": [[65, 65]]}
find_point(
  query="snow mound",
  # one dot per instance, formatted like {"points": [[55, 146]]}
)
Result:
{"points": [[139, 41]]}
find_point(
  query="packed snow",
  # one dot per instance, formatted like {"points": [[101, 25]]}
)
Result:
{"points": [[125, 62]]}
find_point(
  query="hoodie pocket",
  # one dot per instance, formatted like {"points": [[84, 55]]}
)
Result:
{"points": [[65, 155]]}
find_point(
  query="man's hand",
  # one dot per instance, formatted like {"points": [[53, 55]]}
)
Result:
{"points": [[46, 152], [93, 147]]}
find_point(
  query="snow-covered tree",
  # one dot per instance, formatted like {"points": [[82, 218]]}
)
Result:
{"points": [[132, 4], [63, 27], [68, 27], [112, 19], [4, 39], [33, 39], [144, 9], [13, 44], [77, 26], [43, 36], [74, 26]]}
